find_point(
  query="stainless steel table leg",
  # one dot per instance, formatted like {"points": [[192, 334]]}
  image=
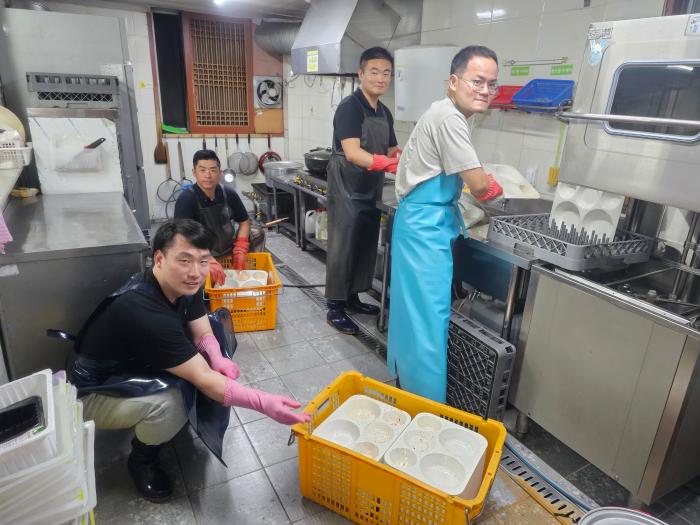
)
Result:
{"points": [[513, 285], [385, 273], [522, 424]]}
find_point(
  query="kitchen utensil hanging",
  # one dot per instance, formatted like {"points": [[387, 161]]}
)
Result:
{"points": [[166, 189], [184, 180], [249, 163], [235, 159], [268, 156]]}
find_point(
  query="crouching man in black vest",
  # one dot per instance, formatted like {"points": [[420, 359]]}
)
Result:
{"points": [[156, 326]]}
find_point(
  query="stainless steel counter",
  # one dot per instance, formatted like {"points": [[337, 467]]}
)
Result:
{"points": [[72, 225], [69, 252]]}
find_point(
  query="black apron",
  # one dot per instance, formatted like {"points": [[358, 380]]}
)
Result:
{"points": [[207, 417], [218, 219], [353, 217]]}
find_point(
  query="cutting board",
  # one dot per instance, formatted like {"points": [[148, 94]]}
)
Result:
{"points": [[514, 184]]}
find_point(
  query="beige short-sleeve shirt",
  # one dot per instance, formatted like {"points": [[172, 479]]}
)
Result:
{"points": [[440, 142]]}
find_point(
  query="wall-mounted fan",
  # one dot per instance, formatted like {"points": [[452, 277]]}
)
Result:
{"points": [[268, 92]]}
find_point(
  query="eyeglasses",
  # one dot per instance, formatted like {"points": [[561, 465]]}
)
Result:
{"points": [[477, 85], [203, 170]]}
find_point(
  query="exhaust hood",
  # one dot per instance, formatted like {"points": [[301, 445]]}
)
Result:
{"points": [[334, 33]]}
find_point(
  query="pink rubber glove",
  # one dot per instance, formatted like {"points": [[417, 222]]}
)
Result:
{"points": [[209, 346], [216, 272], [494, 190], [240, 250], [383, 163], [277, 407]]}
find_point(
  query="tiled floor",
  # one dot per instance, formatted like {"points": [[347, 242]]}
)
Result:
{"points": [[261, 485]]}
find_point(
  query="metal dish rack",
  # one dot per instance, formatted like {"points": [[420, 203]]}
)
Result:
{"points": [[479, 366], [571, 249]]}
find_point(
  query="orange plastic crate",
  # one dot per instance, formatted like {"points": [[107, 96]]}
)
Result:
{"points": [[252, 309], [368, 492]]}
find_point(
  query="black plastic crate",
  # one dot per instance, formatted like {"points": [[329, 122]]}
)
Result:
{"points": [[479, 368]]}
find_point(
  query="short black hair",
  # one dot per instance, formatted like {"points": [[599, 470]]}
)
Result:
{"points": [[373, 53], [205, 154], [196, 234], [462, 58]]}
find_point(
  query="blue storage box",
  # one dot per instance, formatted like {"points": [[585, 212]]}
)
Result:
{"points": [[543, 94]]}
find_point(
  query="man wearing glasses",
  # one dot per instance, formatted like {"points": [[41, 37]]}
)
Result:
{"points": [[364, 148], [439, 158], [218, 207]]}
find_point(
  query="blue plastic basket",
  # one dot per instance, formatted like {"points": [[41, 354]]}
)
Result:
{"points": [[543, 94]]}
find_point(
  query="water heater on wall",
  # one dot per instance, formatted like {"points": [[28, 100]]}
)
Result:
{"points": [[421, 78]]}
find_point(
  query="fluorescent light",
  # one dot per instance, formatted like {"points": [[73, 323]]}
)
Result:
{"points": [[498, 13], [219, 2], [678, 66]]}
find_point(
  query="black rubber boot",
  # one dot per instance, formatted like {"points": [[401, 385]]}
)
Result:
{"points": [[355, 305], [150, 480], [339, 320]]}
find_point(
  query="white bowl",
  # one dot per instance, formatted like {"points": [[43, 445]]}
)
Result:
{"points": [[340, 431], [361, 409], [367, 449], [379, 433], [401, 458], [444, 472]]}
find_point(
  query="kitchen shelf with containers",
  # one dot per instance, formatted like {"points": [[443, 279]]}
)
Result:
{"points": [[540, 95]]}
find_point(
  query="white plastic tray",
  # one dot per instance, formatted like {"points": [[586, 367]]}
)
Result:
{"points": [[595, 210], [245, 278], [364, 425], [30, 448], [440, 453], [514, 184]]}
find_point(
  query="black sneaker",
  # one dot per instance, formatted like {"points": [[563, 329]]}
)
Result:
{"points": [[339, 320]]}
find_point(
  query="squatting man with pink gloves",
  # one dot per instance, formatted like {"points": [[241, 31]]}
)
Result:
{"points": [[161, 324]]}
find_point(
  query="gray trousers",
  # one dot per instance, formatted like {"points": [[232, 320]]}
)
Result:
{"points": [[155, 418]]}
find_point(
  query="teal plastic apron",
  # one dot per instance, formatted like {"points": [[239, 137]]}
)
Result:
{"points": [[426, 224]]}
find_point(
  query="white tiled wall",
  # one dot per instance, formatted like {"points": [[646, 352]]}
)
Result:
{"points": [[524, 30], [139, 55], [310, 103]]}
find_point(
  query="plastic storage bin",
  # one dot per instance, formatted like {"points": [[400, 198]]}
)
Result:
{"points": [[365, 491], [252, 308], [35, 447], [440, 453], [504, 98], [544, 95]]}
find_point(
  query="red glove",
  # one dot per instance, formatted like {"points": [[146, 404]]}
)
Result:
{"points": [[397, 153], [216, 272], [383, 163], [494, 190], [240, 250], [209, 346], [277, 407]]}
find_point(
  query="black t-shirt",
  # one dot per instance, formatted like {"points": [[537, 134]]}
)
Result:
{"points": [[146, 330], [186, 204], [349, 116]]}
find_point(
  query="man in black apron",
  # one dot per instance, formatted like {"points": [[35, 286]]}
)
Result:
{"points": [[156, 326], [364, 147], [217, 207]]}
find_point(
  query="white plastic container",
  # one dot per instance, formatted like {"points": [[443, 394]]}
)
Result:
{"points": [[595, 210], [245, 278], [440, 453], [30, 448], [364, 425]]}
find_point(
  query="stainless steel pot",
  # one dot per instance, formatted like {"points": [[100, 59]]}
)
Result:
{"points": [[317, 160]]}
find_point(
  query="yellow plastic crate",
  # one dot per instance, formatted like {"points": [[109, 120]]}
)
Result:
{"points": [[368, 492], [251, 309]]}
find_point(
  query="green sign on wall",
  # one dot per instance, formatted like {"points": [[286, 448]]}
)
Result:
{"points": [[561, 69], [520, 71]]}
